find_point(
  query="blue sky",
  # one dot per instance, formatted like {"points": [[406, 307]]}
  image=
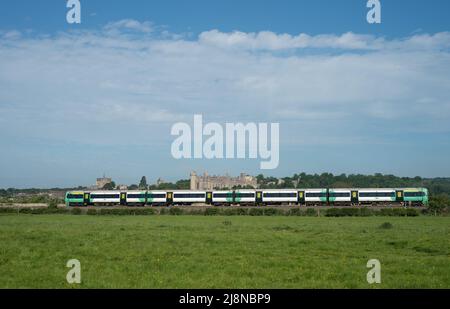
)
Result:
{"points": [[77, 101], [400, 17]]}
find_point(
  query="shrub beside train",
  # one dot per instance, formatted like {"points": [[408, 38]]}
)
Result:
{"points": [[302, 197]]}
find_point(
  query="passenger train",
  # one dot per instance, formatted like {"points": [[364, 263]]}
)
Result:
{"points": [[256, 197]]}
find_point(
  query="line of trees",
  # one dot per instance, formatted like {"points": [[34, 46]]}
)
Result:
{"points": [[327, 180]]}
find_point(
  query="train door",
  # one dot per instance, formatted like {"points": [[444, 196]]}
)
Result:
{"points": [[354, 197], [301, 197], [259, 199], [86, 198], [399, 196], [169, 200], [209, 198], [123, 198]]}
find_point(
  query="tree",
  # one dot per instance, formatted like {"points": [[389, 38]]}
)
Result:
{"points": [[143, 183], [439, 203], [52, 204], [183, 184], [109, 186], [133, 187]]}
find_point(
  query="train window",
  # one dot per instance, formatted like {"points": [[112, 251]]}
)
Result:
{"points": [[105, 196], [189, 195], [376, 194], [414, 194], [339, 194], [156, 195], [136, 196], [280, 194], [222, 195], [319, 194], [239, 194], [74, 196]]}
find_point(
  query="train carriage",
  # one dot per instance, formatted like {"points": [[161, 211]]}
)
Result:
{"points": [[340, 196], [74, 198], [279, 197], [316, 196], [156, 198], [136, 198], [245, 197], [222, 197], [188, 197], [376, 196], [415, 196], [104, 198]]}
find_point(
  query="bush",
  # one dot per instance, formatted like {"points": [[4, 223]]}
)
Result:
{"points": [[256, 211], [242, 211], [111, 212], [311, 212], [125, 211], [295, 212], [8, 210], [386, 226], [211, 211], [229, 212], [76, 211], [92, 212], [195, 212], [34, 211], [234, 211], [53, 204], [386, 212], [144, 211], [412, 212], [366, 212], [271, 212], [61, 211], [333, 212], [175, 211]]}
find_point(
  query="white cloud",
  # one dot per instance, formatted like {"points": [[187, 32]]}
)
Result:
{"points": [[267, 40], [10, 35], [78, 85], [129, 24]]}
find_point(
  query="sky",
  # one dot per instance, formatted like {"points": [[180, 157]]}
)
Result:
{"points": [[81, 100]]}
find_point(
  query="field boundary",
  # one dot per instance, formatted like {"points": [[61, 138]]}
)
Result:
{"points": [[221, 211]]}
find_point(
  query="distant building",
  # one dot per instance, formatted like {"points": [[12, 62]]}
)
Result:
{"points": [[206, 182], [122, 187], [101, 182]]}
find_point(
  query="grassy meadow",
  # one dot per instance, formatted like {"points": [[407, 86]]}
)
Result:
{"points": [[223, 252]]}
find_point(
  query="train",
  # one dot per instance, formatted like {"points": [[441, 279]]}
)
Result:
{"points": [[252, 197]]}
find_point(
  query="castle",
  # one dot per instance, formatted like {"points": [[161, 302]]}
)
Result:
{"points": [[206, 182], [101, 182]]}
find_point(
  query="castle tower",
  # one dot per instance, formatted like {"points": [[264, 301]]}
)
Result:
{"points": [[194, 181]]}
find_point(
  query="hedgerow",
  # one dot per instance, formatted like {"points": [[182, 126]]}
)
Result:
{"points": [[226, 211]]}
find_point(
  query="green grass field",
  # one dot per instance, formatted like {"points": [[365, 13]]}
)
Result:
{"points": [[223, 252]]}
